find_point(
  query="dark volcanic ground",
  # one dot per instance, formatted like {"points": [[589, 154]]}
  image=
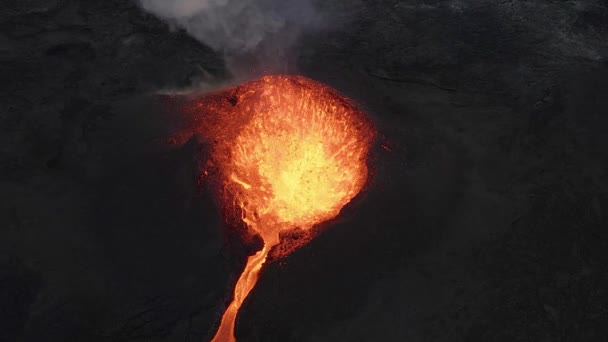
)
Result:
{"points": [[486, 221]]}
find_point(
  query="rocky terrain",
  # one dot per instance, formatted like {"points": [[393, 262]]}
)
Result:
{"points": [[485, 220]]}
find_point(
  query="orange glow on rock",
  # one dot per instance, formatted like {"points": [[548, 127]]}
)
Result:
{"points": [[289, 153]]}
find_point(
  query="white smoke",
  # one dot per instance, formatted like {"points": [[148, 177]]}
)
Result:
{"points": [[249, 33]]}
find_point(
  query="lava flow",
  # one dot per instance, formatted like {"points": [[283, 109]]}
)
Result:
{"points": [[289, 153]]}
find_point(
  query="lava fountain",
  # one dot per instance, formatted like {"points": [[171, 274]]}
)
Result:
{"points": [[289, 153]]}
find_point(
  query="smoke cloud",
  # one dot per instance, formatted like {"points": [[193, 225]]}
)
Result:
{"points": [[249, 33]]}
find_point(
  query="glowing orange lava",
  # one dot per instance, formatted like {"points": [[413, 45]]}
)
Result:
{"points": [[290, 153]]}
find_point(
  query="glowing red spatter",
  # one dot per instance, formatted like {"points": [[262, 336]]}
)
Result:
{"points": [[289, 153]]}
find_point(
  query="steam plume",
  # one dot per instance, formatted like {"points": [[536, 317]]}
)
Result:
{"points": [[260, 32]]}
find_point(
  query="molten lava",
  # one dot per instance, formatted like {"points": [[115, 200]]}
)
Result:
{"points": [[290, 153]]}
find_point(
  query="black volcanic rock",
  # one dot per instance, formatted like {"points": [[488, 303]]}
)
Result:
{"points": [[485, 219]]}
